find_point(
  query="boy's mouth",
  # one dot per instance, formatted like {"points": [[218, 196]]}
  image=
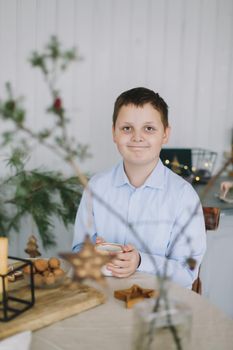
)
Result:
{"points": [[137, 147]]}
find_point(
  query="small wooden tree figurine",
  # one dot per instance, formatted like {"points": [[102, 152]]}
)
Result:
{"points": [[32, 247]]}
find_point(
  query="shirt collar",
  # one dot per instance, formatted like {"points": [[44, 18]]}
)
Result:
{"points": [[120, 178], [155, 180]]}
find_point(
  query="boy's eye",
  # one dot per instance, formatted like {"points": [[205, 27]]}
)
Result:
{"points": [[126, 128], [149, 128]]}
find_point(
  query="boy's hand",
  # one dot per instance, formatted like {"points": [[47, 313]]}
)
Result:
{"points": [[126, 263], [99, 240]]}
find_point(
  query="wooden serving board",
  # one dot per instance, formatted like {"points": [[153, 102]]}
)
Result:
{"points": [[52, 305]]}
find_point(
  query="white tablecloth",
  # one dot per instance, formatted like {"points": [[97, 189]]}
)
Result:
{"points": [[109, 326]]}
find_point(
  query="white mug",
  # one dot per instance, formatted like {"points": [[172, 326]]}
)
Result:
{"points": [[105, 248]]}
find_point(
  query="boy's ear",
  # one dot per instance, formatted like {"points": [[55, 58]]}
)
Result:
{"points": [[166, 135], [113, 133]]}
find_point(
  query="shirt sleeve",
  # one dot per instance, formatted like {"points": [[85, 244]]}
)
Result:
{"points": [[187, 239], [84, 222]]}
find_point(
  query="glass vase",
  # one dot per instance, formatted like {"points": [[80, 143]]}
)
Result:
{"points": [[167, 328]]}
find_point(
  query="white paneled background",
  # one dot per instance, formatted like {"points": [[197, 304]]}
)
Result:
{"points": [[181, 48]]}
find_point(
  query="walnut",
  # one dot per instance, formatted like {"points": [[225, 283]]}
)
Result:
{"points": [[38, 279], [54, 263], [50, 279], [41, 265], [58, 272], [27, 269], [46, 273]]}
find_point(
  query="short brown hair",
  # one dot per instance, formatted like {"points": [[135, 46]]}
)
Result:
{"points": [[139, 97]]}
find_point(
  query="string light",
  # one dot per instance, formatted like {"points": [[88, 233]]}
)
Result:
{"points": [[201, 172]]}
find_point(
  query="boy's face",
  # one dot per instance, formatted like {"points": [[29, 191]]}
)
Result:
{"points": [[139, 134]]}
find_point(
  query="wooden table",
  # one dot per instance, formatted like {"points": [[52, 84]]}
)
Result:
{"points": [[109, 326]]}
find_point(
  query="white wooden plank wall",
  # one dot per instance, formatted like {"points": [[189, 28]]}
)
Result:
{"points": [[181, 48]]}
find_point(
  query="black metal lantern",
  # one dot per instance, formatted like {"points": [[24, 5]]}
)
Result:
{"points": [[11, 303]]}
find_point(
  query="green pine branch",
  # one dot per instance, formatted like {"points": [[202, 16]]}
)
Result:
{"points": [[43, 195]]}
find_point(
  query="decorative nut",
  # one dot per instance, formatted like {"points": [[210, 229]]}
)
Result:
{"points": [[38, 280], [27, 269], [58, 273], [41, 265], [54, 263], [50, 279]]}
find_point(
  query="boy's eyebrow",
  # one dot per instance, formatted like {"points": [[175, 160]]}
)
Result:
{"points": [[150, 122]]}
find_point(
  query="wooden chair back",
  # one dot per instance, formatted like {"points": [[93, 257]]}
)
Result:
{"points": [[211, 216]]}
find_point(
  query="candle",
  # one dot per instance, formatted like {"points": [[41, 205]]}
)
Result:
{"points": [[3, 262]]}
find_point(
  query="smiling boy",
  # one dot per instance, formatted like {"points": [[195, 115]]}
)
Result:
{"points": [[162, 208]]}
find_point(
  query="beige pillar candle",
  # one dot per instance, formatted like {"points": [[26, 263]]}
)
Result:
{"points": [[3, 261]]}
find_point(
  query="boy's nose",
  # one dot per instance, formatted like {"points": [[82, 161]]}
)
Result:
{"points": [[137, 137]]}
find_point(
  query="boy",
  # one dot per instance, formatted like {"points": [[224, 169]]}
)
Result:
{"points": [[156, 202]]}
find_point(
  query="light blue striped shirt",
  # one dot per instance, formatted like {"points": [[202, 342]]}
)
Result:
{"points": [[165, 212]]}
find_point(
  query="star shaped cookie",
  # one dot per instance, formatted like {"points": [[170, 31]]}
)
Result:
{"points": [[87, 263], [134, 295]]}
